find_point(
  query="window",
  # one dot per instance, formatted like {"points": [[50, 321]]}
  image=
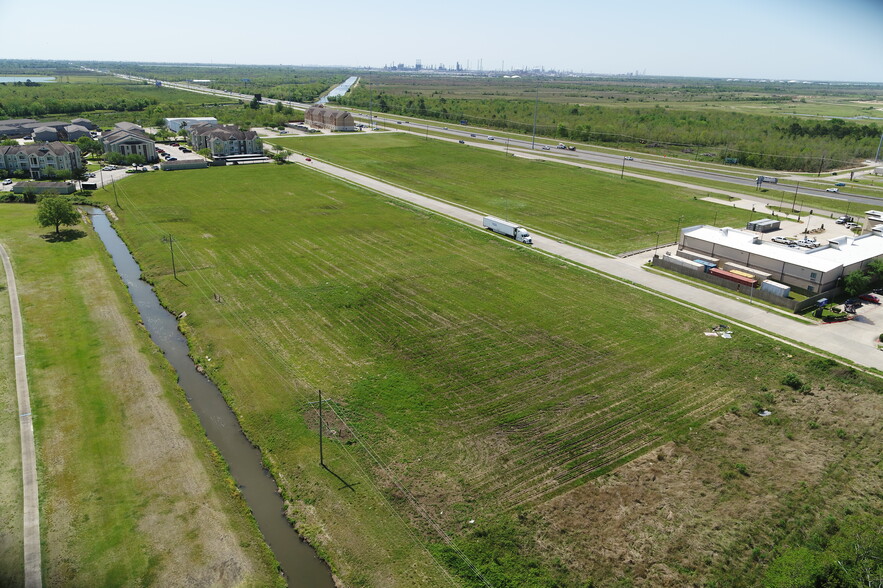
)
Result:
{"points": [[812, 276]]}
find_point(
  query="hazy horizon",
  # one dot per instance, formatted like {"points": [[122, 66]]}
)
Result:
{"points": [[805, 40]]}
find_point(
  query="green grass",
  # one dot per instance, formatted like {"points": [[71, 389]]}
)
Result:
{"points": [[111, 497], [471, 374], [595, 209], [11, 552]]}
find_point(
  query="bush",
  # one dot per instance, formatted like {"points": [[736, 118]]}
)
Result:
{"points": [[792, 380]]}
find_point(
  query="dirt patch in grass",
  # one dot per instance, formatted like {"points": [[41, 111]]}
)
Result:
{"points": [[694, 511]]}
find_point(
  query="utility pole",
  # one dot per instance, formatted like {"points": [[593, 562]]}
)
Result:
{"points": [[115, 195], [821, 163], [172, 251], [880, 144], [793, 202], [536, 106], [678, 230], [622, 171], [321, 455]]}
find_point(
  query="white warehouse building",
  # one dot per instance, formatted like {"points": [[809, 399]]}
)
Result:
{"points": [[813, 271], [174, 124]]}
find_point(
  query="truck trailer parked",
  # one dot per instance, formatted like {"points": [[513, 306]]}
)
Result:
{"points": [[503, 227]]}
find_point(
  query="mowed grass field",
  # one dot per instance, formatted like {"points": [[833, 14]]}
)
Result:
{"points": [[595, 209], [11, 551], [471, 380], [131, 492]]}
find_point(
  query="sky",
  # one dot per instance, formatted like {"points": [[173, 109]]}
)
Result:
{"points": [[837, 40]]}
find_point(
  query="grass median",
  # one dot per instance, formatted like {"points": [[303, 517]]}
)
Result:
{"points": [[595, 209]]}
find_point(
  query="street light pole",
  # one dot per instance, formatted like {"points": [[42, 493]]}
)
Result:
{"points": [[536, 106]]}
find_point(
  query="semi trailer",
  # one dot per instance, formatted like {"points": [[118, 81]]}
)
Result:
{"points": [[507, 228]]}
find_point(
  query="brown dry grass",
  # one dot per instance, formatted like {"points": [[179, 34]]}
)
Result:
{"points": [[682, 515]]}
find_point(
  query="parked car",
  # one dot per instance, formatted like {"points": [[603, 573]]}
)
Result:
{"points": [[832, 190], [7, 181], [172, 159], [853, 226], [783, 240], [869, 298]]}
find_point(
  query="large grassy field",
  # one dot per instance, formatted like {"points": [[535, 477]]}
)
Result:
{"points": [[475, 385], [592, 208], [131, 492]]}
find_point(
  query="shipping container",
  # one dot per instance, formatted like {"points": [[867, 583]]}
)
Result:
{"points": [[687, 254], [776, 288], [707, 264], [741, 273], [732, 277], [756, 273], [680, 261]]}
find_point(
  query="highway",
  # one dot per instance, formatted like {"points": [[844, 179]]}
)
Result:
{"points": [[480, 138]]}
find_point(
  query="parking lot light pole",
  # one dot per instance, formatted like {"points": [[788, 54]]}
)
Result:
{"points": [[655, 249]]}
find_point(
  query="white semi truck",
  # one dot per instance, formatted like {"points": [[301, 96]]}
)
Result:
{"points": [[503, 227]]}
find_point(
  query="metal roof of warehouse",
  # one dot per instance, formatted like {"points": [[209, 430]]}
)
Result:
{"points": [[841, 251]]}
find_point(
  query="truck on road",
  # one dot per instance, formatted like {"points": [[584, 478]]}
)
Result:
{"points": [[507, 228]]}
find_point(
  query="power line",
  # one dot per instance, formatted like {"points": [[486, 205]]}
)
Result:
{"points": [[301, 396]]}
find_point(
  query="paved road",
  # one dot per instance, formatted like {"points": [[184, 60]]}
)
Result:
{"points": [[680, 167], [838, 339], [677, 167], [33, 571]]}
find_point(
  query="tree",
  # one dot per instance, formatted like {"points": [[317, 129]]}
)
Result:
{"points": [[207, 153], [89, 145], [57, 211], [256, 102], [856, 283], [135, 159], [115, 158]]}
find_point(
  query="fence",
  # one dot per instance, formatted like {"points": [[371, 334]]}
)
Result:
{"points": [[754, 293]]}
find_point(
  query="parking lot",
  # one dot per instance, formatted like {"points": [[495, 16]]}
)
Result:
{"points": [[177, 152]]}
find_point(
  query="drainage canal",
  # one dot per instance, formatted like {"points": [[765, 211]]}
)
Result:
{"points": [[298, 560]]}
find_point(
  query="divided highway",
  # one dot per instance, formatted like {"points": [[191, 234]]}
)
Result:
{"points": [[582, 154]]}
